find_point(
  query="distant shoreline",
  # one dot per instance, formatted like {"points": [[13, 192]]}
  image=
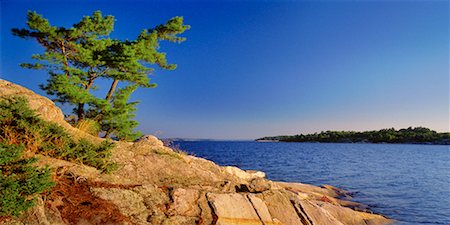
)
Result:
{"points": [[381, 143], [417, 135]]}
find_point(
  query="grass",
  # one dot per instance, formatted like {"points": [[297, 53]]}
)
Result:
{"points": [[161, 151], [88, 126], [21, 126]]}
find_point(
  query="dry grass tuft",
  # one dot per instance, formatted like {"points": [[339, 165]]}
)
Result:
{"points": [[88, 126]]}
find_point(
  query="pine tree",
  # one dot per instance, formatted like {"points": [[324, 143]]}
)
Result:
{"points": [[116, 118], [76, 57]]}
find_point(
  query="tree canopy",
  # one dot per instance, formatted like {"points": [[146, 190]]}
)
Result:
{"points": [[77, 57]]}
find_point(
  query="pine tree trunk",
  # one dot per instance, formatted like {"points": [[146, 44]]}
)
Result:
{"points": [[66, 63], [111, 90], [80, 111], [89, 85]]}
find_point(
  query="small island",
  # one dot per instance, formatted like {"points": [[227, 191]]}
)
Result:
{"points": [[417, 135]]}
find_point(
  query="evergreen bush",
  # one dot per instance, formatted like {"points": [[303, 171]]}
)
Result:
{"points": [[21, 126], [20, 181]]}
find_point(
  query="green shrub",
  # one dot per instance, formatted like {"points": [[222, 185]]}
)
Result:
{"points": [[21, 126], [93, 155], [20, 181]]}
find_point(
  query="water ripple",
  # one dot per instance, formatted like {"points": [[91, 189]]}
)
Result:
{"points": [[410, 183]]}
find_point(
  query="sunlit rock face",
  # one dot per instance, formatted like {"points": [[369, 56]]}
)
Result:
{"points": [[155, 184]]}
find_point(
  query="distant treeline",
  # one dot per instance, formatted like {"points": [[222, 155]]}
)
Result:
{"points": [[417, 135]]}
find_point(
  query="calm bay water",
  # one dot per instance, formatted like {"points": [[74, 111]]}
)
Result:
{"points": [[409, 183]]}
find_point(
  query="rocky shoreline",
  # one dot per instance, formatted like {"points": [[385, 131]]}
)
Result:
{"points": [[158, 185]]}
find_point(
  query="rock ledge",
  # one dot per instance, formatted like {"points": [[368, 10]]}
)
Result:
{"points": [[156, 185]]}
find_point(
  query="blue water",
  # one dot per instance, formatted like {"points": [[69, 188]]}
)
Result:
{"points": [[409, 183]]}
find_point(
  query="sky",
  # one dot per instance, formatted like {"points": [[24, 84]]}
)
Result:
{"points": [[250, 69]]}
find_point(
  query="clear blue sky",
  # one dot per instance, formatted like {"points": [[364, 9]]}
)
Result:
{"points": [[251, 69]]}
